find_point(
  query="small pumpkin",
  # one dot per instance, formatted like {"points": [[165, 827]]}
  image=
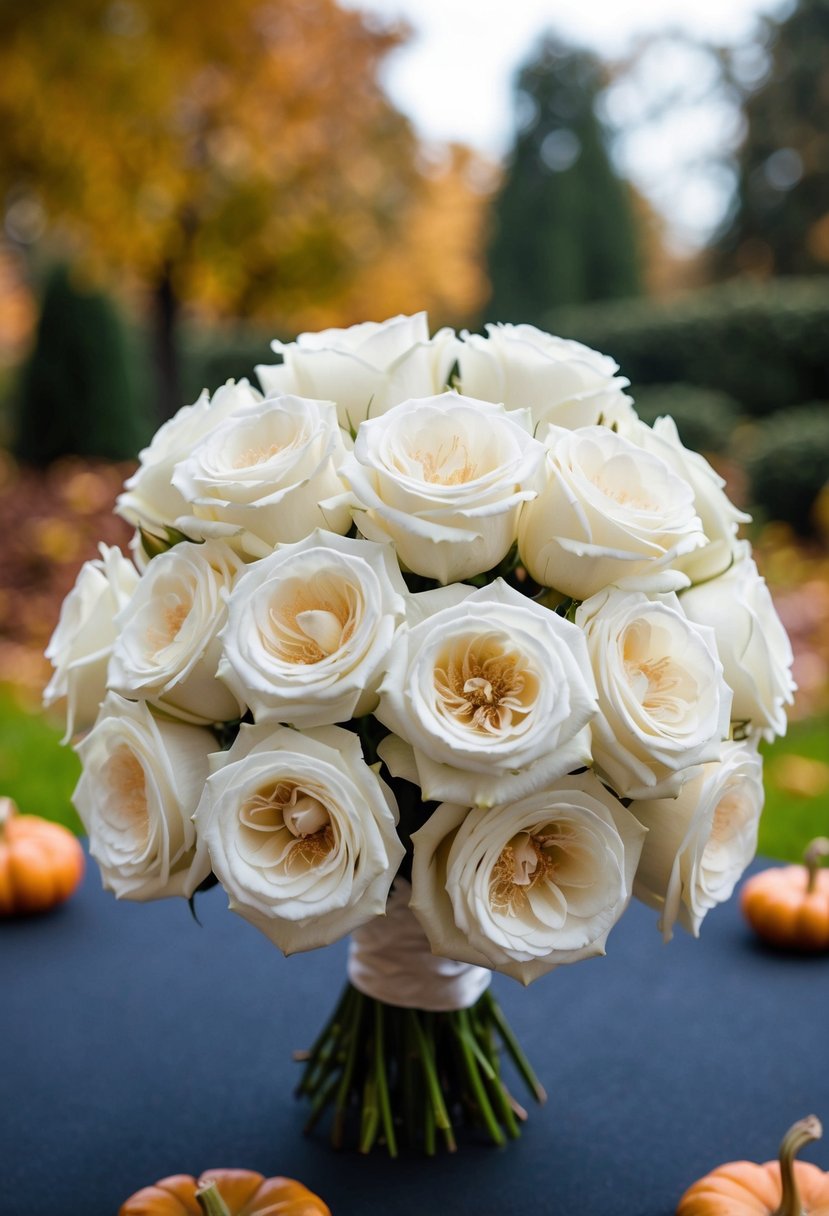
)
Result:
{"points": [[225, 1192], [779, 1188], [41, 863], [788, 906]]}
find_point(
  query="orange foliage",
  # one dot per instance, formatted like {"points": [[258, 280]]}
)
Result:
{"points": [[247, 150]]}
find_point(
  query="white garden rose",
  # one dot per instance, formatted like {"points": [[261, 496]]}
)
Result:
{"points": [[719, 517], [558, 380], [141, 781], [81, 644], [365, 369], [150, 500], [301, 833], [524, 887], [168, 647], [309, 629], [663, 702], [443, 479], [754, 647], [258, 479], [610, 513], [699, 844], [492, 695]]}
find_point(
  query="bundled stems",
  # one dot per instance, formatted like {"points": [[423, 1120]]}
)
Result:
{"points": [[387, 1071]]}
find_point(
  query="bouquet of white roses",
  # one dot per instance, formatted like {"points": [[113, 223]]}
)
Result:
{"points": [[457, 670]]}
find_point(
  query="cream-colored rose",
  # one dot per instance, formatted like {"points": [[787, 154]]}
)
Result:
{"points": [[699, 844], [150, 499], [719, 517], [754, 647], [142, 779], [492, 694], [443, 479], [558, 380], [168, 647], [81, 644], [611, 513], [524, 887], [365, 369], [663, 702], [309, 629], [258, 479], [301, 833]]}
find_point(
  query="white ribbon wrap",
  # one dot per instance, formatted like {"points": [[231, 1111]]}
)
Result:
{"points": [[389, 959]]}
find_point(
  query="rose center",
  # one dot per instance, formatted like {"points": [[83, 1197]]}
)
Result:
{"points": [[310, 621], [126, 784], [486, 688], [663, 689], [450, 465], [297, 823], [173, 612], [523, 863], [253, 456]]}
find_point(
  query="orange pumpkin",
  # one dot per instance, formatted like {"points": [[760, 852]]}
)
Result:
{"points": [[225, 1193], [778, 1188], [788, 906], [41, 863]]}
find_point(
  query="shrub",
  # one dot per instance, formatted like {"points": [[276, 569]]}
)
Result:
{"points": [[77, 395], [764, 344], [704, 417], [787, 462]]}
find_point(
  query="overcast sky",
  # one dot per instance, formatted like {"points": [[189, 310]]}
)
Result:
{"points": [[454, 80]]}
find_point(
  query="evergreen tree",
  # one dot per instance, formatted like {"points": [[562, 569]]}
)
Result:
{"points": [[77, 395], [780, 219], [563, 228]]}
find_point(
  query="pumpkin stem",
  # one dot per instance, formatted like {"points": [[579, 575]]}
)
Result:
{"points": [[7, 809], [211, 1202], [816, 850], [797, 1137]]}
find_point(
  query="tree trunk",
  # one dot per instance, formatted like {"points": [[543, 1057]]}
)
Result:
{"points": [[165, 308]]}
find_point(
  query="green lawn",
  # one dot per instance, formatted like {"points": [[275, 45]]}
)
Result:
{"points": [[40, 775]]}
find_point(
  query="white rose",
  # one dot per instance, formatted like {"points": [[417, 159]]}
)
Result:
{"points": [[754, 647], [663, 702], [610, 513], [309, 629], [559, 380], [443, 479], [719, 517], [168, 648], [141, 781], [524, 887], [365, 369], [81, 644], [257, 480], [493, 695], [700, 843], [301, 833], [150, 499]]}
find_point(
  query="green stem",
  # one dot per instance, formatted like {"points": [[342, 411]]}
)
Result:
{"points": [[344, 1088], [474, 1077], [511, 1043], [210, 1201], [797, 1137], [425, 1047], [382, 1080], [815, 851]]}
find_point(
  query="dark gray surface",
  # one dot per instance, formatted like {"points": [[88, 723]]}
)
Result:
{"points": [[134, 1044]]}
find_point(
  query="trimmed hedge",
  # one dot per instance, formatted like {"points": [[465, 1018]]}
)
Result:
{"points": [[704, 417], [78, 393], [764, 344], [787, 462]]}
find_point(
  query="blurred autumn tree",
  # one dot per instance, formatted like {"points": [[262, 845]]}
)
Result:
{"points": [[780, 220], [242, 157], [563, 225]]}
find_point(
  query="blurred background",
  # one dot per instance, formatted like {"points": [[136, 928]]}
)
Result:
{"points": [[180, 183]]}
